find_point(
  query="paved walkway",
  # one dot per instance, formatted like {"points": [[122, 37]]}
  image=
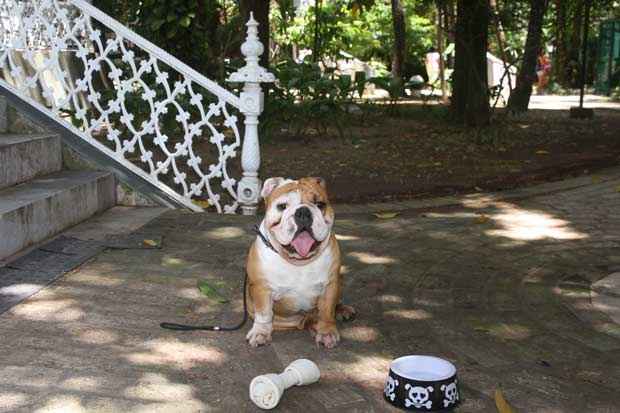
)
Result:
{"points": [[565, 102], [501, 288]]}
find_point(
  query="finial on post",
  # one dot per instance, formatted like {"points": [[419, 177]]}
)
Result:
{"points": [[252, 49]]}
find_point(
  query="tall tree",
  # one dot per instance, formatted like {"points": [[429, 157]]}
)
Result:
{"points": [[499, 30], [260, 8], [575, 43], [519, 99], [470, 99], [560, 54], [450, 13], [400, 33], [501, 40], [440, 19], [316, 50]]}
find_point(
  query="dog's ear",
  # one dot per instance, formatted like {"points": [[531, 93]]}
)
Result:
{"points": [[271, 184], [321, 182]]}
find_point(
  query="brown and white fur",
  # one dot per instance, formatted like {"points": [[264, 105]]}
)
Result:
{"points": [[296, 286]]}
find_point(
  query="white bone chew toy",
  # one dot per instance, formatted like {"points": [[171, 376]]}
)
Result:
{"points": [[267, 390]]}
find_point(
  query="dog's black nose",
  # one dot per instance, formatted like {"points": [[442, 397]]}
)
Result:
{"points": [[303, 217]]}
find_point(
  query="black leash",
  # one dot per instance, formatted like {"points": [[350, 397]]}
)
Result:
{"points": [[185, 327]]}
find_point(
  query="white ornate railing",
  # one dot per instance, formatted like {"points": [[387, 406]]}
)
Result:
{"points": [[134, 102]]}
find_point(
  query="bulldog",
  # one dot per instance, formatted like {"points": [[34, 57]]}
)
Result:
{"points": [[293, 267]]}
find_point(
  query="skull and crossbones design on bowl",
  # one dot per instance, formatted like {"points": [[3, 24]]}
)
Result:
{"points": [[390, 388], [451, 394], [418, 396]]}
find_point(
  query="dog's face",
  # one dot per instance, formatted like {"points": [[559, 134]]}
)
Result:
{"points": [[298, 216]]}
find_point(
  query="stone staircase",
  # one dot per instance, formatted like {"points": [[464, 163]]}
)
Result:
{"points": [[38, 198]]}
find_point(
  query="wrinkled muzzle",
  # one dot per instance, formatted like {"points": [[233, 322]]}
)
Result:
{"points": [[303, 231], [304, 241]]}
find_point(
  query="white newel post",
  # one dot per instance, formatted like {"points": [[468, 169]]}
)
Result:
{"points": [[252, 103]]}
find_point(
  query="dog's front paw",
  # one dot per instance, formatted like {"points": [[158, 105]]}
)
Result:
{"points": [[259, 335], [329, 337]]}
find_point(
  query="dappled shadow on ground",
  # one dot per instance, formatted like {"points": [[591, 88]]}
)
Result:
{"points": [[485, 285]]}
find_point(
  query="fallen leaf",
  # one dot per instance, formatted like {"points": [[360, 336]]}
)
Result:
{"points": [[150, 242], [204, 204], [210, 292], [477, 188], [501, 403], [542, 152], [482, 219], [386, 215], [596, 180]]}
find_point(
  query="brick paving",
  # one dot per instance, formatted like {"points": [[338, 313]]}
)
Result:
{"points": [[499, 285]]}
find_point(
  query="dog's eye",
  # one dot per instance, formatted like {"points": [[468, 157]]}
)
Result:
{"points": [[320, 205], [282, 206]]}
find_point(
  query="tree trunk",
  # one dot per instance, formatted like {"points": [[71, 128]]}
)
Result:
{"points": [[575, 43], [440, 49], [560, 55], [286, 9], [499, 30], [501, 42], [519, 99], [316, 52], [400, 31], [450, 13], [470, 99], [207, 21], [261, 15]]}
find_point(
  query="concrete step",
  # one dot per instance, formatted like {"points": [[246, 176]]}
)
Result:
{"points": [[36, 210], [24, 157]]}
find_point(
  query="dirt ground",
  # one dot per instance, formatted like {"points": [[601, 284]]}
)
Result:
{"points": [[418, 153]]}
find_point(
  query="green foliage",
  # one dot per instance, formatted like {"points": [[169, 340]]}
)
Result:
{"points": [[309, 100], [364, 32], [198, 32], [305, 97]]}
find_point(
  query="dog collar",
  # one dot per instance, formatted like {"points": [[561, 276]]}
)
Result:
{"points": [[264, 238]]}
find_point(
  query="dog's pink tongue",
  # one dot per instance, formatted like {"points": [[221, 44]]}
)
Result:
{"points": [[303, 243]]}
